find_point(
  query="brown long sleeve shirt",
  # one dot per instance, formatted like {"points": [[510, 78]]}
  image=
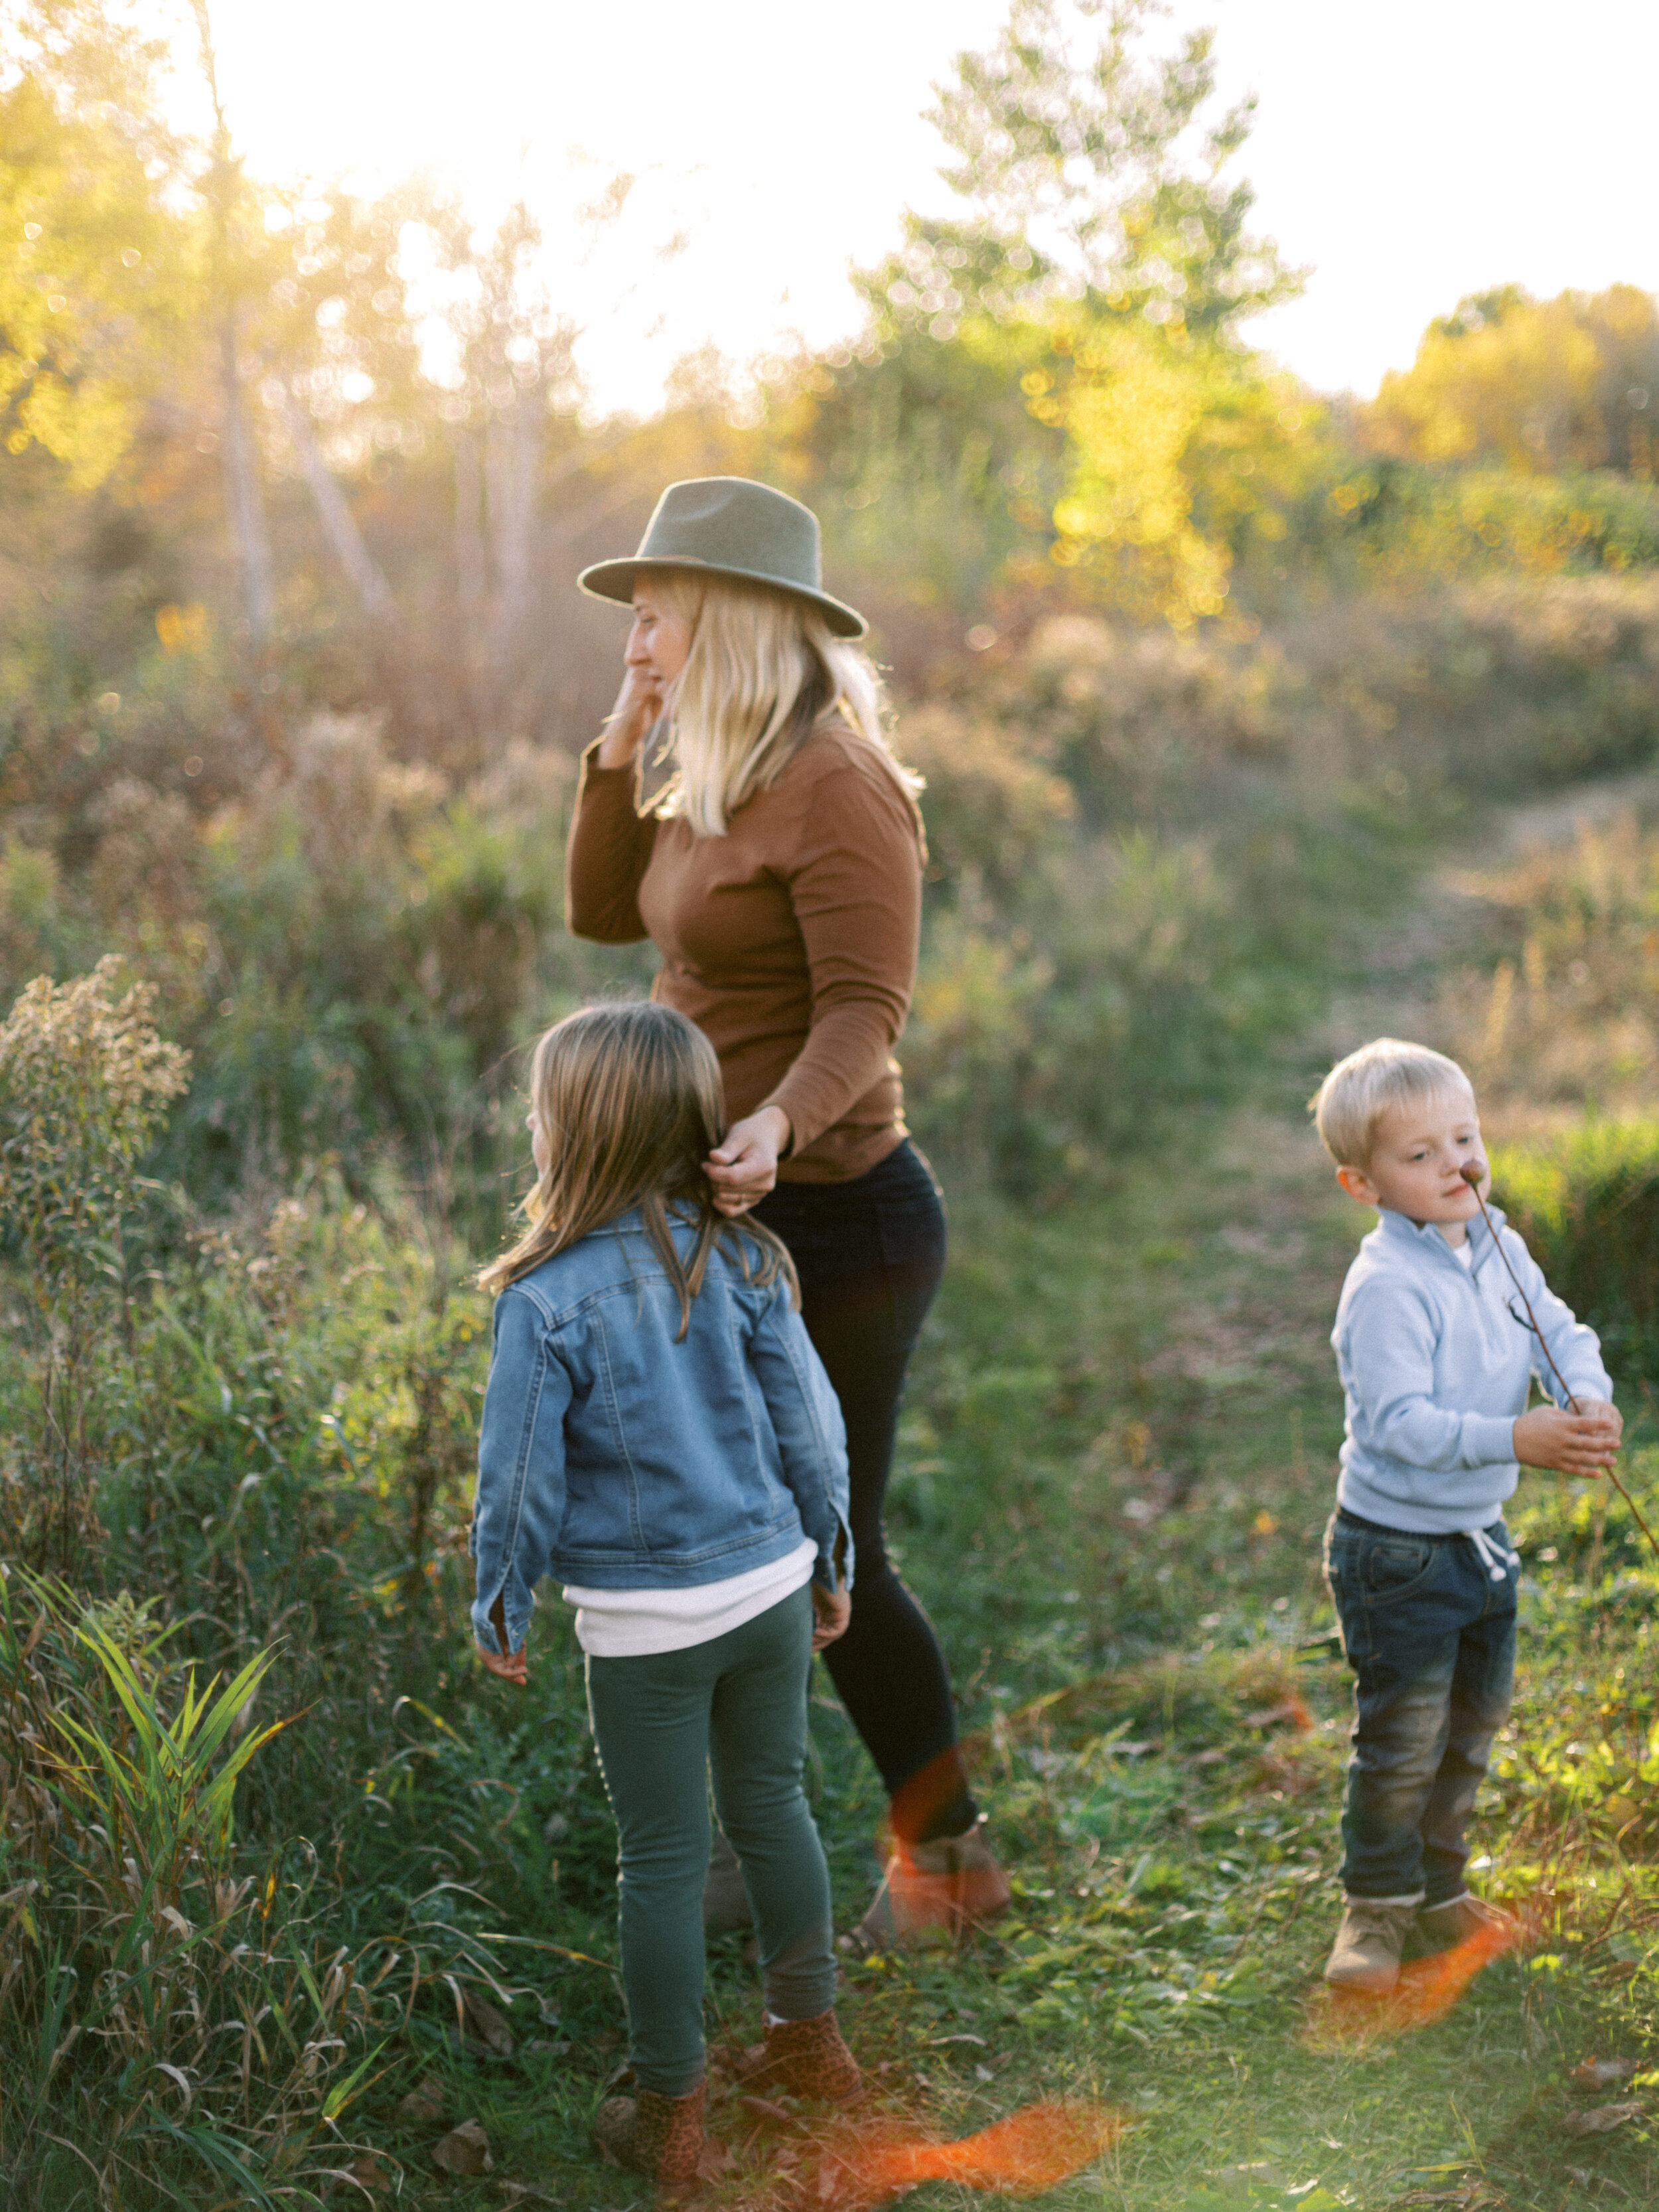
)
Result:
{"points": [[791, 941]]}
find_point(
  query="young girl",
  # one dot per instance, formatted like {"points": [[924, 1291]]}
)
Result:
{"points": [[659, 1432]]}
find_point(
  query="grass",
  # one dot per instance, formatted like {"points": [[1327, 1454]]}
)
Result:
{"points": [[1114, 1469], [1115, 1466]]}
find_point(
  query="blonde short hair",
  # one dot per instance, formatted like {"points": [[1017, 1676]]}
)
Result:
{"points": [[763, 671], [1360, 1089]]}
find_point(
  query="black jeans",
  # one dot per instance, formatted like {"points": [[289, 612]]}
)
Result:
{"points": [[870, 1254]]}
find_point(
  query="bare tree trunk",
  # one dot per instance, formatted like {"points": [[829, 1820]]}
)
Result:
{"points": [[337, 520], [469, 535], [510, 460], [243, 501]]}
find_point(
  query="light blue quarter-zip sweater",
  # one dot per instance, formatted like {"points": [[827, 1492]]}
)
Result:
{"points": [[1435, 1366]]}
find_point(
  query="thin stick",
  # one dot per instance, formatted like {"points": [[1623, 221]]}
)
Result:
{"points": [[1472, 1175]]}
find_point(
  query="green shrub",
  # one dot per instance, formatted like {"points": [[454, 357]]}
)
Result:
{"points": [[1588, 1206], [84, 1082]]}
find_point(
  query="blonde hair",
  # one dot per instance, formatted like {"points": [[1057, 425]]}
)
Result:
{"points": [[629, 1099], [763, 671], [1360, 1089]]}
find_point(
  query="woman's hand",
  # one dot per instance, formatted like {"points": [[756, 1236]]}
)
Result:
{"points": [[638, 705], [745, 1167], [1571, 1443], [832, 1611]]}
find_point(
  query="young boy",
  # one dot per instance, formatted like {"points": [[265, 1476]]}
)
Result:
{"points": [[1437, 1359]]}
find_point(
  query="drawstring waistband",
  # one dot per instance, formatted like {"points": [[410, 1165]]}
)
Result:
{"points": [[1492, 1556]]}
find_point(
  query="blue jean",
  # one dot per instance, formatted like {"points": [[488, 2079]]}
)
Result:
{"points": [[738, 1705], [1430, 1638]]}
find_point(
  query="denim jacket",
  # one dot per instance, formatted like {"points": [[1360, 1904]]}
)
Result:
{"points": [[614, 1457]]}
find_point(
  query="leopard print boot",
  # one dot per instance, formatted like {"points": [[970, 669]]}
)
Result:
{"points": [[656, 2135], [805, 2058]]}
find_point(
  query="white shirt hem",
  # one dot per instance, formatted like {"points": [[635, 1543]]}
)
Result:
{"points": [[613, 1624]]}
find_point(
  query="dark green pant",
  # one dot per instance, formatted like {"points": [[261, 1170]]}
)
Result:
{"points": [[736, 1707]]}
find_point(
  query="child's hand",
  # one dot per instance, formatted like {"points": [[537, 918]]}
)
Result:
{"points": [[1602, 1409], [511, 1666], [1571, 1443], [831, 1610]]}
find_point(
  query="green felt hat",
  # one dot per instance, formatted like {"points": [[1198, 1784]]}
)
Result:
{"points": [[730, 526]]}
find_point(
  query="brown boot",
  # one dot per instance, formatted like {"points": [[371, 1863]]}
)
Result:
{"points": [[954, 1883], [1443, 1927], [660, 2137], [1365, 1955], [805, 2058]]}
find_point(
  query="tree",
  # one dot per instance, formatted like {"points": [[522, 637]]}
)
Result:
{"points": [[1071, 143], [94, 287], [1065, 359], [1534, 386], [233, 223]]}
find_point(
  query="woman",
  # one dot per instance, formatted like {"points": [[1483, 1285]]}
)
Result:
{"points": [[779, 873]]}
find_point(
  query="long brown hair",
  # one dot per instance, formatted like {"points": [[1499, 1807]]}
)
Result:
{"points": [[629, 1098]]}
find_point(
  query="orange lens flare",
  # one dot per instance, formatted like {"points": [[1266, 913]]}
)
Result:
{"points": [[1340, 2020], [918, 1803], [1032, 2150]]}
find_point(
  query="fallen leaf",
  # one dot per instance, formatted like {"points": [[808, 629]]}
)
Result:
{"points": [[464, 2151], [764, 2109], [424, 2103], [487, 2024], [1603, 2073], [1291, 1712], [1600, 2120], [366, 2171]]}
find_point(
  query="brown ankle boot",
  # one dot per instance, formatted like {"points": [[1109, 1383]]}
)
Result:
{"points": [[805, 2058], [653, 2135], [954, 1883]]}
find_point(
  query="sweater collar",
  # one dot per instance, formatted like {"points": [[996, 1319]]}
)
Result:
{"points": [[1424, 1238]]}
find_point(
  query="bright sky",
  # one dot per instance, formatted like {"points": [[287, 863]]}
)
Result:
{"points": [[1410, 151]]}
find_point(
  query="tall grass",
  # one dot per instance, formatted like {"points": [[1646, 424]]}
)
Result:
{"points": [[168, 2020], [1587, 1202]]}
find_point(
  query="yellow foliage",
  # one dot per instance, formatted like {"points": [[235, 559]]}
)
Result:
{"points": [[1172, 445], [182, 629], [1538, 385], [84, 288]]}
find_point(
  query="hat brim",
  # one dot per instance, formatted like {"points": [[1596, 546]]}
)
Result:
{"points": [[614, 580]]}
